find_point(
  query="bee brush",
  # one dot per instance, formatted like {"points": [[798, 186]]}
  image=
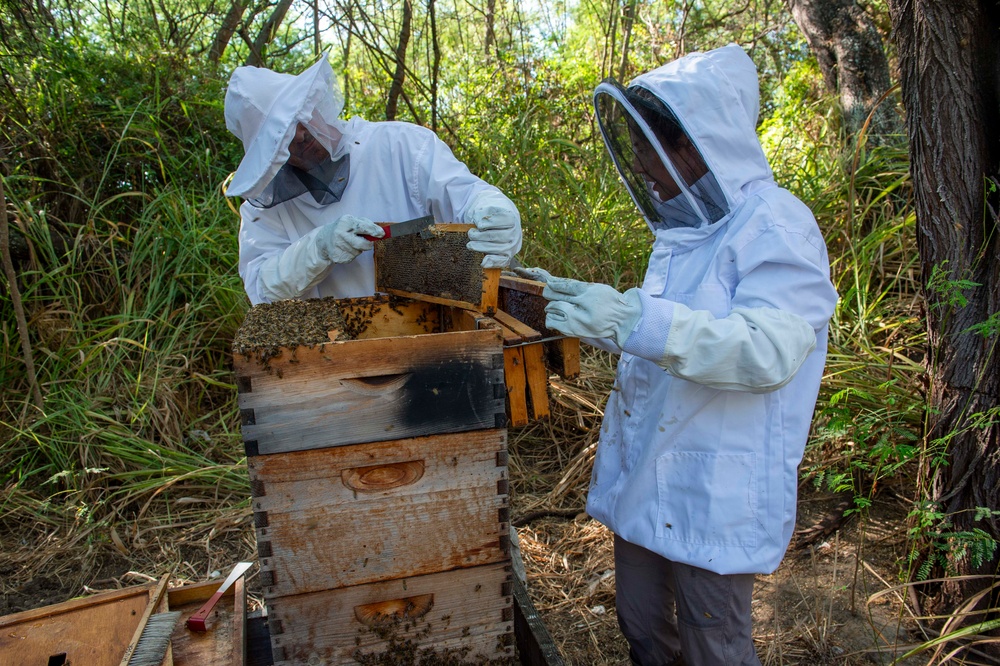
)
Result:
{"points": [[150, 643]]}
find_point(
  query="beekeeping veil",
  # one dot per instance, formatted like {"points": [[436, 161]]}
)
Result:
{"points": [[659, 162], [709, 100], [263, 108]]}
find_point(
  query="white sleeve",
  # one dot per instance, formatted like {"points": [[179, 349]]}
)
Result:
{"points": [[272, 267], [781, 299], [443, 184], [755, 350]]}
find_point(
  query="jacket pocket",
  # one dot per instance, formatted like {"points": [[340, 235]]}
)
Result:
{"points": [[712, 297], [707, 498]]}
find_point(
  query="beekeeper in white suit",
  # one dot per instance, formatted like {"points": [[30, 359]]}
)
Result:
{"points": [[314, 185], [722, 350]]}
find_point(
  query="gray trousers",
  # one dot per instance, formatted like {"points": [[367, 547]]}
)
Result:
{"points": [[672, 613]]}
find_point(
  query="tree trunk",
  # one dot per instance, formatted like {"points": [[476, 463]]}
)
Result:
{"points": [[267, 33], [490, 20], [849, 50], [435, 64], [400, 74], [950, 73], [628, 19], [226, 30]]}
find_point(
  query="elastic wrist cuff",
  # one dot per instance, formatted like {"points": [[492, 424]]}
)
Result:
{"points": [[649, 337]]}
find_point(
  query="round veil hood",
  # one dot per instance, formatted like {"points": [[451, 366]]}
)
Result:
{"points": [[263, 108], [715, 95]]}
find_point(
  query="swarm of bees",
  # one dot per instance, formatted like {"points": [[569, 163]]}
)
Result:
{"points": [[269, 327], [407, 651]]}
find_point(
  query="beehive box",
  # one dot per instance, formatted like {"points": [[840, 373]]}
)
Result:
{"points": [[376, 448], [326, 372]]}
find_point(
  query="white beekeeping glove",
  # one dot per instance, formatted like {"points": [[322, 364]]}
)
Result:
{"points": [[342, 240], [591, 310], [536, 274], [497, 231], [304, 263]]}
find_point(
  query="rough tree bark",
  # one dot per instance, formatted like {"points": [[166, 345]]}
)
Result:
{"points": [[267, 33], [396, 89], [949, 57], [226, 31], [628, 19], [490, 19], [849, 50], [435, 63]]}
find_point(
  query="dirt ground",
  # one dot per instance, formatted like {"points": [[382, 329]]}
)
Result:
{"points": [[835, 601]]}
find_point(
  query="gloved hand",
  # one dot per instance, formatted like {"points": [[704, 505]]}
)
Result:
{"points": [[591, 310], [536, 274], [498, 228], [340, 241]]}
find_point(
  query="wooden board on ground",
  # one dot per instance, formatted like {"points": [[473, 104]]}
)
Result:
{"points": [[535, 646], [411, 507], [464, 615], [94, 630], [225, 643], [436, 267]]}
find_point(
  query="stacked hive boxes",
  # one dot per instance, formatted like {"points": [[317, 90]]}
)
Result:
{"points": [[376, 447]]}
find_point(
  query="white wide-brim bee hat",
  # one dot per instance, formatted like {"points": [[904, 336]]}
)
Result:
{"points": [[263, 109]]}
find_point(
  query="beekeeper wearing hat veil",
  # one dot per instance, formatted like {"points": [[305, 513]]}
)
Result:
{"points": [[722, 350], [314, 184]]}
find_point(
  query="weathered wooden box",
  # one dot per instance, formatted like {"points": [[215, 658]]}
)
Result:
{"points": [[350, 515], [452, 617], [376, 447], [395, 368]]}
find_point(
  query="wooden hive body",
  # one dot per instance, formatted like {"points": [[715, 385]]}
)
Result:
{"points": [[377, 455]]}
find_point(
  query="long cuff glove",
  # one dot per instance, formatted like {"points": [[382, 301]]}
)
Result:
{"points": [[304, 263], [536, 274], [497, 231], [341, 241], [591, 310]]}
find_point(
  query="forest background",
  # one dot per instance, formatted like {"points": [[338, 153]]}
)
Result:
{"points": [[119, 430]]}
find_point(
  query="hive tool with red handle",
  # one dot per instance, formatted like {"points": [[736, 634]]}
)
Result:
{"points": [[415, 226], [197, 621]]}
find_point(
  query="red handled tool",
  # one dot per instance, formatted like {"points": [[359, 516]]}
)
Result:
{"points": [[416, 226], [197, 621]]}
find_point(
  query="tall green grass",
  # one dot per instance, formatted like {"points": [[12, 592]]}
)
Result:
{"points": [[131, 293], [132, 352]]}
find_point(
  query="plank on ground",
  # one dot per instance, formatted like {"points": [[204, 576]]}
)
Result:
{"points": [[93, 630]]}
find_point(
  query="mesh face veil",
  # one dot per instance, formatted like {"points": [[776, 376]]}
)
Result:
{"points": [[660, 164], [325, 182], [310, 168]]}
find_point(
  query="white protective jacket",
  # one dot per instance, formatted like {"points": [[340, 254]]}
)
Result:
{"points": [[398, 171], [715, 390]]}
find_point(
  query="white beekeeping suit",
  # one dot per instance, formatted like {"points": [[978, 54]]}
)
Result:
{"points": [[724, 344], [314, 184]]}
